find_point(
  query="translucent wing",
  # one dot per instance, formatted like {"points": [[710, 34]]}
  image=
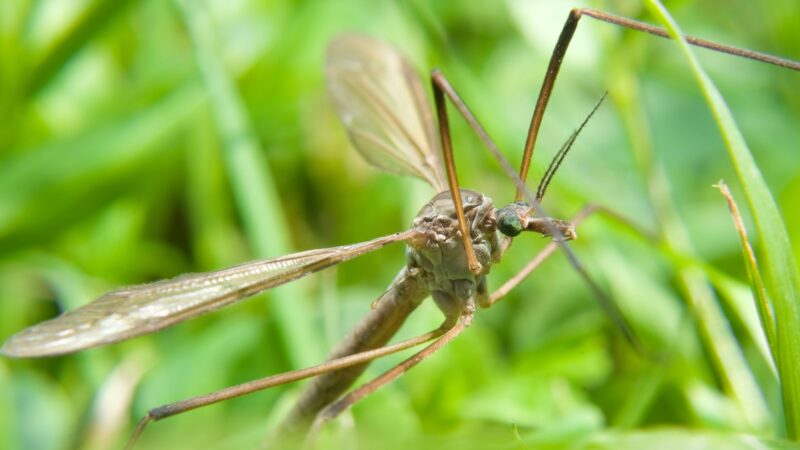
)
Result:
{"points": [[142, 309], [380, 99]]}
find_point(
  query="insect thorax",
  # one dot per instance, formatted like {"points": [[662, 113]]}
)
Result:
{"points": [[437, 251]]}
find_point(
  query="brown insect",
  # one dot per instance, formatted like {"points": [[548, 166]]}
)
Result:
{"points": [[383, 105]]}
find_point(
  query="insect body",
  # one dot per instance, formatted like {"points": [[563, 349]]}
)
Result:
{"points": [[452, 245], [438, 253], [436, 266]]}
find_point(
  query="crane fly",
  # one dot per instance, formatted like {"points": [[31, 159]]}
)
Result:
{"points": [[452, 244]]}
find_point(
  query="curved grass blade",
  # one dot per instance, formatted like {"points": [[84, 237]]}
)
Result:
{"points": [[783, 276], [90, 23], [765, 312], [251, 181], [717, 337]]}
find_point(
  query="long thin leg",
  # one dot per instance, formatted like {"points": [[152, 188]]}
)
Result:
{"points": [[441, 85], [585, 212], [452, 178], [345, 402], [551, 247], [182, 406], [341, 405], [609, 307], [348, 400], [561, 49], [373, 331]]}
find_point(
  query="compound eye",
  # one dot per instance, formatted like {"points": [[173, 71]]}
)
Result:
{"points": [[509, 224]]}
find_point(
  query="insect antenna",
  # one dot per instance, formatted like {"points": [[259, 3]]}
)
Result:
{"points": [[555, 163]]}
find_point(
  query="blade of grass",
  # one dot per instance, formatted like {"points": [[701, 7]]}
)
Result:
{"points": [[252, 184], [729, 288], [765, 312], [667, 437], [214, 225], [783, 276], [34, 175], [728, 361], [26, 85], [93, 20]]}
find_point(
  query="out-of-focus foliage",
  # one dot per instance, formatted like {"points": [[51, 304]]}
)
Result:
{"points": [[132, 132]]}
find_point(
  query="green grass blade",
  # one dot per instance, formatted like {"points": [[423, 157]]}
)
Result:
{"points": [[680, 438], [783, 277], [89, 161], [715, 331], [753, 273], [252, 184], [93, 20]]}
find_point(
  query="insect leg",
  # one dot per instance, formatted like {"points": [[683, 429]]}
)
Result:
{"points": [[503, 290], [333, 410], [441, 85], [610, 308], [373, 331], [561, 49], [452, 177], [162, 412], [585, 212]]}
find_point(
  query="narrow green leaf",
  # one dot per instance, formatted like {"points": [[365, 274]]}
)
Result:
{"points": [[252, 183], [717, 336], [98, 153], [93, 20], [671, 438], [783, 276], [753, 273]]}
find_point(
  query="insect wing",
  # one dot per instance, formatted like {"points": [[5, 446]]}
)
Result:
{"points": [[380, 99], [137, 310]]}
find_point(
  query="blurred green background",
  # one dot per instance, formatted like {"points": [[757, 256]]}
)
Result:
{"points": [[144, 139]]}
